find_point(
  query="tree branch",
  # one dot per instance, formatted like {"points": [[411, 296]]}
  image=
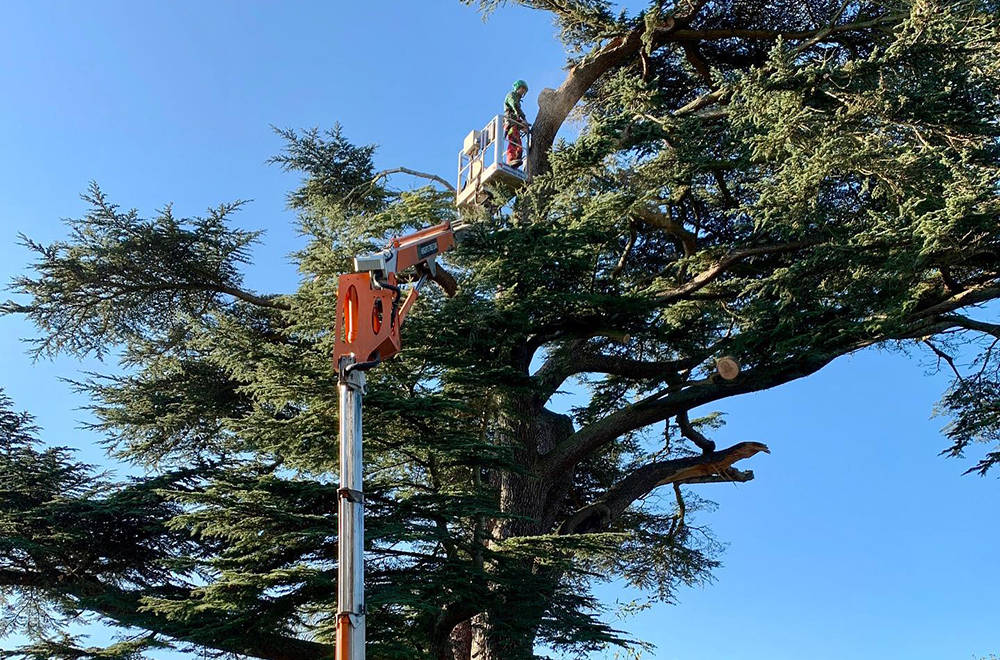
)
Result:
{"points": [[406, 170], [814, 35], [694, 435], [664, 404], [623, 259], [707, 468], [246, 296], [554, 105], [707, 276], [701, 102], [669, 225], [944, 356], [971, 296], [670, 402], [572, 359], [690, 11], [966, 323], [128, 608]]}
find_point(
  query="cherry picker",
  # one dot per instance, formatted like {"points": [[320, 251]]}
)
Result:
{"points": [[371, 311]]}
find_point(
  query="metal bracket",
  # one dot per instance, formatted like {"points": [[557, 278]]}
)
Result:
{"points": [[351, 495], [354, 617], [352, 374]]}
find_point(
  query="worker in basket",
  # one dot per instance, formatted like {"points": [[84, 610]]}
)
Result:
{"points": [[514, 123]]}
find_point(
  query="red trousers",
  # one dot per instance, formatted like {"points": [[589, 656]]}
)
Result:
{"points": [[514, 150]]}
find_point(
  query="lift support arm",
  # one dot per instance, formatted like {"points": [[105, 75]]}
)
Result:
{"points": [[369, 308], [369, 317]]}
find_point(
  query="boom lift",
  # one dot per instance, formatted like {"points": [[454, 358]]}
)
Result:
{"points": [[369, 318], [368, 322]]}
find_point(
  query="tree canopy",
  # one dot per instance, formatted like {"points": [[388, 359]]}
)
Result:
{"points": [[780, 183]]}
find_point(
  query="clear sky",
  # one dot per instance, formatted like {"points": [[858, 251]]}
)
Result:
{"points": [[854, 541]]}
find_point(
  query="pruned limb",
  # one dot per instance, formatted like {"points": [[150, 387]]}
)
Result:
{"points": [[712, 467]]}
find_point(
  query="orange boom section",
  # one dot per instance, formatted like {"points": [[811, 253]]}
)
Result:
{"points": [[423, 245], [369, 311]]}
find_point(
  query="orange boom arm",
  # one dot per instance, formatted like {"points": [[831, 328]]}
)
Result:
{"points": [[369, 312]]}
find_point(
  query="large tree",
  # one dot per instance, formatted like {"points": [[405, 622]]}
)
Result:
{"points": [[779, 182]]}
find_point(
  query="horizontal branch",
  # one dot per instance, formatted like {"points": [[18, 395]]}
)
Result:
{"points": [[572, 359], [707, 468], [773, 35], [406, 170], [966, 323], [251, 298], [591, 326], [707, 276], [670, 402], [662, 405]]}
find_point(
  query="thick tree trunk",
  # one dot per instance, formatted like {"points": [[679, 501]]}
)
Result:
{"points": [[460, 643], [521, 592], [554, 105]]}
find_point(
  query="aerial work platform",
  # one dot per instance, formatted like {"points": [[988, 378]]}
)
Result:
{"points": [[482, 164]]}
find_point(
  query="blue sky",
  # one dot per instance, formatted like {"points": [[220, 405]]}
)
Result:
{"points": [[855, 540]]}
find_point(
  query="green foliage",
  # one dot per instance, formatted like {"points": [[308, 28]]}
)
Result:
{"points": [[65, 648], [782, 200], [973, 403], [122, 279], [581, 22]]}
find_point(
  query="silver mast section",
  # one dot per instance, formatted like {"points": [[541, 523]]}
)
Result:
{"points": [[350, 518]]}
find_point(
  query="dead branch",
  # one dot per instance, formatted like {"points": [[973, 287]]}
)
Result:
{"points": [[406, 170], [696, 469]]}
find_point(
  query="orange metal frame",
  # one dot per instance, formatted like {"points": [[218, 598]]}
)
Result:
{"points": [[370, 314], [422, 245]]}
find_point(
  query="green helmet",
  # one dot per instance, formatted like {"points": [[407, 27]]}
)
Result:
{"points": [[520, 83]]}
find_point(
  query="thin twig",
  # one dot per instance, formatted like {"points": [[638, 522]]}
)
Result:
{"points": [[944, 356]]}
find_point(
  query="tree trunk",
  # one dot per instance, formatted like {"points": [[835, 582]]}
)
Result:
{"points": [[507, 629]]}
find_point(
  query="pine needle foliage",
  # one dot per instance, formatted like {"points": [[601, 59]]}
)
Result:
{"points": [[778, 183]]}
